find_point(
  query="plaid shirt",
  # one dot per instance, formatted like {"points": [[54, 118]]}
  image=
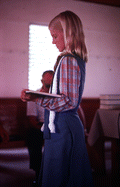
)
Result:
{"points": [[69, 87]]}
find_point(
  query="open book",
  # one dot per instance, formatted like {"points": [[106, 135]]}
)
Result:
{"points": [[41, 94]]}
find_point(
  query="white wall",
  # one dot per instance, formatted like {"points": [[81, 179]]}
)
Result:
{"points": [[101, 26]]}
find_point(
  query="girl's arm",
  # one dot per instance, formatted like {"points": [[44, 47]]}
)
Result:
{"points": [[69, 87]]}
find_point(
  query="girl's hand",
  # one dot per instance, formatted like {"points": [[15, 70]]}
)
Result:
{"points": [[26, 97]]}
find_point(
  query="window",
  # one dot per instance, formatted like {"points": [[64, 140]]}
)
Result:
{"points": [[42, 54]]}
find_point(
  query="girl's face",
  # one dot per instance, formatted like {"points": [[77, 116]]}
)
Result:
{"points": [[58, 39]]}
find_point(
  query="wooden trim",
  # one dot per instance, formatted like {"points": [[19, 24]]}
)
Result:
{"points": [[115, 3], [89, 106], [14, 144]]}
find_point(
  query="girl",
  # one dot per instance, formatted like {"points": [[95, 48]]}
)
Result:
{"points": [[65, 160]]}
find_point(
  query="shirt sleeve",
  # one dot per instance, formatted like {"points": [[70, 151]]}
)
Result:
{"points": [[69, 87]]}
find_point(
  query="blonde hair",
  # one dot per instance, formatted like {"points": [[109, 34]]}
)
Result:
{"points": [[72, 28]]}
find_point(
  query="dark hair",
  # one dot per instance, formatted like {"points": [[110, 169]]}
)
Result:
{"points": [[48, 71]]}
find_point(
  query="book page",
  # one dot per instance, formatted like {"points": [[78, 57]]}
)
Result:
{"points": [[42, 93]]}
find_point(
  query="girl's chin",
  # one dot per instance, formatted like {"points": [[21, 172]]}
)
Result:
{"points": [[60, 50]]}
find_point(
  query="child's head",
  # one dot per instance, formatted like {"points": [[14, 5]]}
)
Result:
{"points": [[71, 26], [47, 78]]}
